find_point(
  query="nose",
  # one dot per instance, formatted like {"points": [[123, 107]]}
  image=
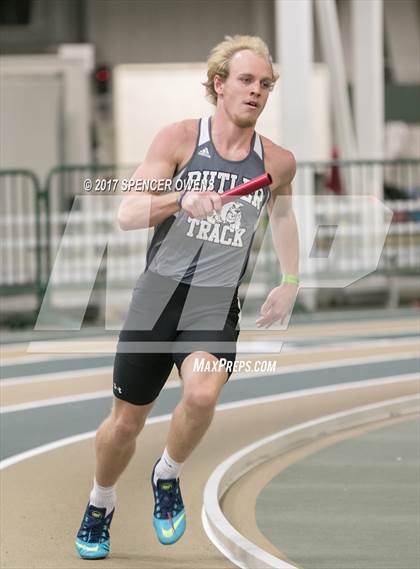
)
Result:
{"points": [[256, 88]]}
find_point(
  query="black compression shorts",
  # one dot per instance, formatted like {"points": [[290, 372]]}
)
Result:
{"points": [[166, 322]]}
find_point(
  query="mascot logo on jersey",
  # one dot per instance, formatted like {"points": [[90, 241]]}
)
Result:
{"points": [[223, 228], [230, 215]]}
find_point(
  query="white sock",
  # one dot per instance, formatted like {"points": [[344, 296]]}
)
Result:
{"points": [[103, 497], [166, 468]]}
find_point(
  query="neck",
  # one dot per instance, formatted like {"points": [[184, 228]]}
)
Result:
{"points": [[228, 137]]}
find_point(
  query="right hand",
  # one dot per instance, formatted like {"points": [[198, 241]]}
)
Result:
{"points": [[201, 204]]}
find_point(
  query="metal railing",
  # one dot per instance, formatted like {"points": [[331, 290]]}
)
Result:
{"points": [[395, 182], [22, 233], [39, 220], [82, 208], [348, 232]]}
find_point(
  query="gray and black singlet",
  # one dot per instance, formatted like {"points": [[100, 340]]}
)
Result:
{"points": [[186, 299]]}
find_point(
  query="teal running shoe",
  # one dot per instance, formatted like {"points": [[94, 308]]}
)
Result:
{"points": [[169, 513], [92, 541]]}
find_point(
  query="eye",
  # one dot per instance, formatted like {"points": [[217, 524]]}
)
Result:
{"points": [[245, 80], [266, 84]]}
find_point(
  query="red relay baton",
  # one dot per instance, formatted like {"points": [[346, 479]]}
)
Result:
{"points": [[246, 188]]}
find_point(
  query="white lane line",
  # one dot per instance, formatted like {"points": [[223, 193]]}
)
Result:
{"points": [[15, 459], [18, 361], [24, 346], [107, 345], [317, 345], [5, 463], [286, 348], [22, 360], [65, 399], [264, 559], [55, 376], [354, 361], [58, 376], [338, 346], [234, 545], [55, 401], [272, 343], [404, 320]]}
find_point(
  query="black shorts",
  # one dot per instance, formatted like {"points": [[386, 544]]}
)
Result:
{"points": [[166, 322]]}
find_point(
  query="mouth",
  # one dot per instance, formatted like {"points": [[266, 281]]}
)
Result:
{"points": [[252, 104]]}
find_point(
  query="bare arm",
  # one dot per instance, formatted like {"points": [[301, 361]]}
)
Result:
{"points": [[141, 209], [283, 223], [286, 244]]}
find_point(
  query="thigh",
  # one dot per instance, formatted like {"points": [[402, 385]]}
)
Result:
{"points": [[155, 306], [219, 343], [204, 385], [129, 413], [215, 343], [144, 356], [142, 363], [138, 378]]}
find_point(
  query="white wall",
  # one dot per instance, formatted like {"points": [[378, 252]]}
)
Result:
{"points": [[148, 97], [50, 124], [30, 135]]}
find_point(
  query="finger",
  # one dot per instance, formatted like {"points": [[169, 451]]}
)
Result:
{"points": [[197, 212], [208, 205], [268, 319], [192, 204], [266, 324], [262, 321], [217, 202], [201, 209], [266, 307]]}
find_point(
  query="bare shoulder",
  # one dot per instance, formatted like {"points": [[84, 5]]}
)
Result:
{"points": [[176, 140], [280, 162]]}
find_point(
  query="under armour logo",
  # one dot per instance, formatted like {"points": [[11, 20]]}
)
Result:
{"points": [[116, 388]]}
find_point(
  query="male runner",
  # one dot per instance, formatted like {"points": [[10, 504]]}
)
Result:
{"points": [[187, 296]]}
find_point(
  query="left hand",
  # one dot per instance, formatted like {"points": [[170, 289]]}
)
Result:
{"points": [[278, 304]]}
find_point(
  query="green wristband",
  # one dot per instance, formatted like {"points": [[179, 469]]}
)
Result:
{"points": [[290, 279]]}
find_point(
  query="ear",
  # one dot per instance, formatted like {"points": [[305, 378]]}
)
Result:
{"points": [[218, 83]]}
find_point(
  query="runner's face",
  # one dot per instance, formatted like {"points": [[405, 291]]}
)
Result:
{"points": [[245, 91]]}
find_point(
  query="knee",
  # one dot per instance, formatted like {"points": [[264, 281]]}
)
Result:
{"points": [[126, 429], [201, 398]]}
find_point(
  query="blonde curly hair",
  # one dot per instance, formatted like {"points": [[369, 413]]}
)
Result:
{"points": [[221, 55]]}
